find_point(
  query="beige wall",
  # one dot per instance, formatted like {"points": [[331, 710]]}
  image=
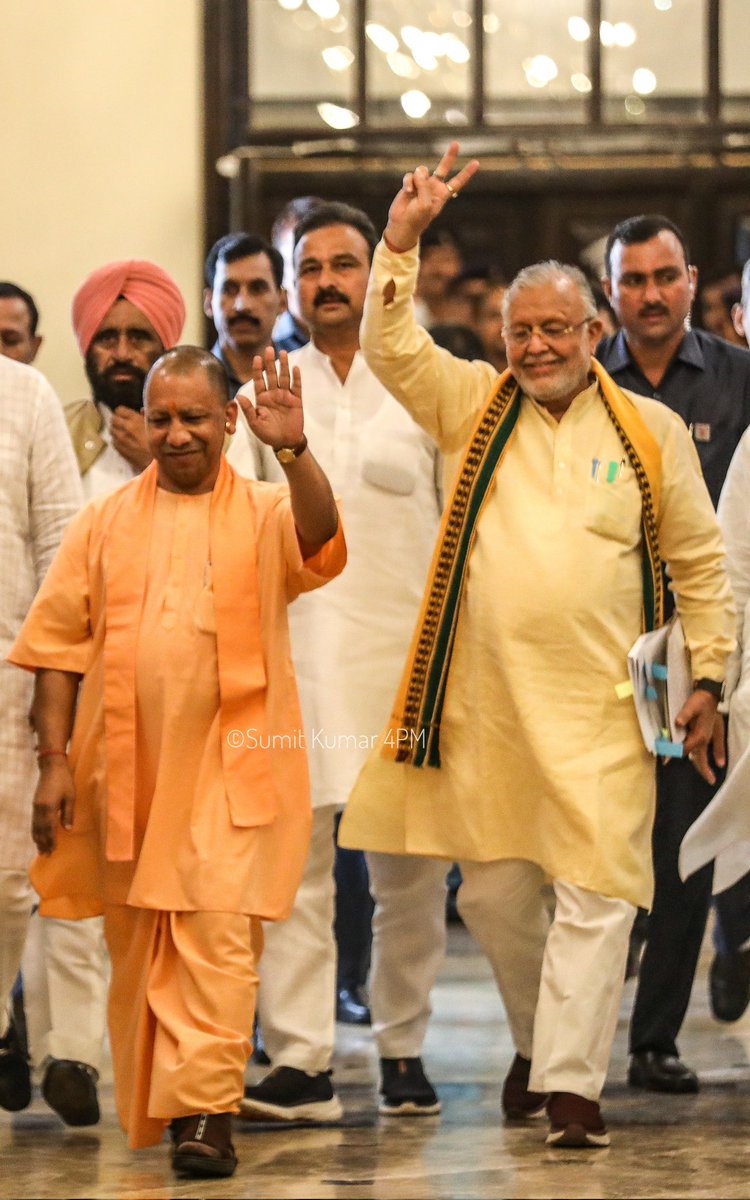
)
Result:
{"points": [[101, 134]]}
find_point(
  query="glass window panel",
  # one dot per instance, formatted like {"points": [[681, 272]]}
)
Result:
{"points": [[302, 63], [653, 59], [735, 55], [419, 58], [536, 60]]}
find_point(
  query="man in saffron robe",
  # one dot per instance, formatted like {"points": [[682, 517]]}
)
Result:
{"points": [[169, 814], [509, 750]]}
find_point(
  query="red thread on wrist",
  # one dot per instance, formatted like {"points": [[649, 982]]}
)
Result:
{"points": [[40, 754]]}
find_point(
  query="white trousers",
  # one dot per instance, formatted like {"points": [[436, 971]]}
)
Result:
{"points": [[557, 952], [16, 902], [65, 981], [297, 995]]}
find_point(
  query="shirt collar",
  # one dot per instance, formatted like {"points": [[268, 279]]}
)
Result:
{"points": [[689, 351]]}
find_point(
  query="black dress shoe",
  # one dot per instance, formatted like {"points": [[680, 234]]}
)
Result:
{"points": [[15, 1077], [661, 1073], [70, 1089], [729, 985], [349, 1008]]}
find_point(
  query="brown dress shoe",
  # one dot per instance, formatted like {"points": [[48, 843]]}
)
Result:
{"points": [[519, 1104], [575, 1122], [202, 1145]]}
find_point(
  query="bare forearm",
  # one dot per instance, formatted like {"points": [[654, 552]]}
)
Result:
{"points": [[53, 710], [313, 506]]}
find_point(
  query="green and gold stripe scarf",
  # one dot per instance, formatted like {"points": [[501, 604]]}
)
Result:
{"points": [[414, 732]]}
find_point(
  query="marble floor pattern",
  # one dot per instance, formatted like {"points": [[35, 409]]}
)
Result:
{"points": [[694, 1146]]}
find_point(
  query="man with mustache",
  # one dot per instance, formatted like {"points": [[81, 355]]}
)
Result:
{"points": [[651, 286], [243, 297], [125, 314], [347, 650]]}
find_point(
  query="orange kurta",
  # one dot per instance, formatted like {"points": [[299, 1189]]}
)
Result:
{"points": [[195, 849]]}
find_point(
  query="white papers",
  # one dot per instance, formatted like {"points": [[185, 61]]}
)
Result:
{"points": [[659, 669], [722, 831]]}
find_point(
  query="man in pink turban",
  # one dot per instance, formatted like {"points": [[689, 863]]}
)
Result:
{"points": [[125, 315]]}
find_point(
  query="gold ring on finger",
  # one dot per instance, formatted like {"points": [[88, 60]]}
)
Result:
{"points": [[452, 191]]}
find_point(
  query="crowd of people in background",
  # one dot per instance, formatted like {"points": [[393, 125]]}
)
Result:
{"points": [[398, 344]]}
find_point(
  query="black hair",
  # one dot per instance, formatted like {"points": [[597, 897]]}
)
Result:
{"points": [[11, 291], [639, 229], [333, 212], [234, 246]]}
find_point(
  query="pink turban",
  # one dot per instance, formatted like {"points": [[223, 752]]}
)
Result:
{"points": [[144, 284]]}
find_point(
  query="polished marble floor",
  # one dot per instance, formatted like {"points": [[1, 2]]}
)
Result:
{"points": [[695, 1146]]}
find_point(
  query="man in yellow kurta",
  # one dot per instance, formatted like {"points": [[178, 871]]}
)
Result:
{"points": [[509, 749], [182, 809]]}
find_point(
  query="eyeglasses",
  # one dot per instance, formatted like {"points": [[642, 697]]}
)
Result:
{"points": [[550, 331]]}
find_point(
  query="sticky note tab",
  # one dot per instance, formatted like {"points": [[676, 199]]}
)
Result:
{"points": [[623, 690], [669, 749], [651, 693], [660, 671], [612, 468]]}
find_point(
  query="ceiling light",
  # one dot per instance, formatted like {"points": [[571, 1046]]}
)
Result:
{"points": [[644, 81], [454, 49], [290, 5], [624, 34], [424, 59], [539, 70], [491, 23], [411, 36], [456, 116], [402, 65], [325, 9], [579, 30], [581, 82], [634, 106], [663, 5], [607, 33], [337, 58], [462, 19], [381, 37], [415, 104], [337, 117]]}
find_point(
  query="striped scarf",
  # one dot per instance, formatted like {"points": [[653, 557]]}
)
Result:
{"points": [[413, 735]]}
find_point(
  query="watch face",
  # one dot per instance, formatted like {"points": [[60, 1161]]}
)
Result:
{"points": [[285, 455]]}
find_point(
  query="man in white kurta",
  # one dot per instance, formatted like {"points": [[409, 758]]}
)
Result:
{"points": [[40, 492], [348, 648], [545, 789]]}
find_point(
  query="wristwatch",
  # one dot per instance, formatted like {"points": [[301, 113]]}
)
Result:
{"points": [[710, 685], [287, 454]]}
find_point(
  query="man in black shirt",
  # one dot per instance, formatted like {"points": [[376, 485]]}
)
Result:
{"points": [[651, 285], [243, 297]]}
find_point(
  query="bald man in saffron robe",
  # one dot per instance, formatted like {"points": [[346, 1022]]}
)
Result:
{"points": [[181, 810]]}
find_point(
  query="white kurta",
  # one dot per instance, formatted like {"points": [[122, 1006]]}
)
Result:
{"points": [[110, 469], [540, 760], [39, 492], [349, 641], [723, 830]]}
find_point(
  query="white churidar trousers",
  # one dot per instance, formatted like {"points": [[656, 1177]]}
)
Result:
{"points": [[557, 952], [65, 981], [297, 995], [16, 902]]}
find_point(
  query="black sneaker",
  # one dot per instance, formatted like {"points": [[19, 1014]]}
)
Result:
{"points": [[70, 1089], [287, 1094], [405, 1089], [15, 1076]]}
